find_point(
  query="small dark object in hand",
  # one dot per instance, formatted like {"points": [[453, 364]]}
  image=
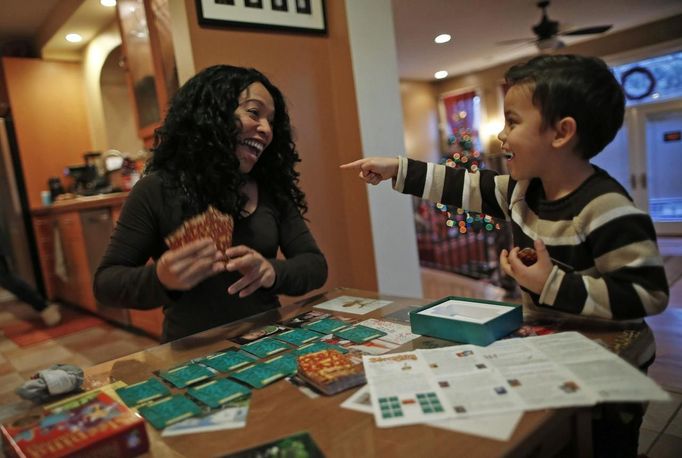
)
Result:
{"points": [[528, 256]]}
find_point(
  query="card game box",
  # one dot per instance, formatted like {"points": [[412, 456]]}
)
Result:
{"points": [[466, 320], [90, 425]]}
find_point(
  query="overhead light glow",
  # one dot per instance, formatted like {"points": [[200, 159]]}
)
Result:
{"points": [[439, 75], [74, 38], [107, 2], [442, 38]]}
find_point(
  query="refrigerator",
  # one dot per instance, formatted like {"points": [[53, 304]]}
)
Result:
{"points": [[16, 228]]}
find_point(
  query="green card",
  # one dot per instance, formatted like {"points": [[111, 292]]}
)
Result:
{"points": [[228, 360], [359, 333], [185, 375], [139, 393], [218, 392], [327, 325], [265, 347], [169, 410], [298, 337], [286, 363], [258, 375], [319, 346]]}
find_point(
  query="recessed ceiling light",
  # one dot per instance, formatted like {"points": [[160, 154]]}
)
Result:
{"points": [[74, 38], [442, 38], [107, 2], [439, 75]]}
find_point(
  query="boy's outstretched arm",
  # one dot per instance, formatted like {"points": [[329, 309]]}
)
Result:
{"points": [[374, 170]]}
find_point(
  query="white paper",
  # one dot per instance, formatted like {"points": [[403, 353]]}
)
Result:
{"points": [[352, 304], [227, 418], [361, 401], [498, 427], [395, 332], [511, 375], [472, 312]]}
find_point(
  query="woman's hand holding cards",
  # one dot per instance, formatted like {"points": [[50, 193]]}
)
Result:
{"points": [[530, 274], [183, 268], [257, 272]]}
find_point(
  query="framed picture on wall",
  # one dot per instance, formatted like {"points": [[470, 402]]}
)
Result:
{"points": [[306, 16]]}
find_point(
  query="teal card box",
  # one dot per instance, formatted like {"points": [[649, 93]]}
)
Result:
{"points": [[466, 320]]}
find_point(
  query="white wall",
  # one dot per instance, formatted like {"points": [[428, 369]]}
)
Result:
{"points": [[375, 70]]}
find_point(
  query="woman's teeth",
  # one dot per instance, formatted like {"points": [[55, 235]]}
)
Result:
{"points": [[258, 146]]}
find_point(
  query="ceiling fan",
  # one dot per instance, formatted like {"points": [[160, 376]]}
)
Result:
{"points": [[547, 32]]}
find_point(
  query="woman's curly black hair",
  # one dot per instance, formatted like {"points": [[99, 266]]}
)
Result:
{"points": [[194, 148]]}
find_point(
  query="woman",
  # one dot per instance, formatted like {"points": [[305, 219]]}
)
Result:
{"points": [[226, 142]]}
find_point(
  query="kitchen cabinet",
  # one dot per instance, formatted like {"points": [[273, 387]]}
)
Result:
{"points": [[71, 237], [149, 61]]}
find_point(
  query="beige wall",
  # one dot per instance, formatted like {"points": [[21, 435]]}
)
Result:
{"points": [[420, 115], [315, 75]]}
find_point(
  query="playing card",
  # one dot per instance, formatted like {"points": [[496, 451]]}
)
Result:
{"points": [[182, 376], [359, 333], [265, 347], [211, 223], [258, 375], [218, 392], [139, 393], [228, 360], [169, 410], [298, 337]]}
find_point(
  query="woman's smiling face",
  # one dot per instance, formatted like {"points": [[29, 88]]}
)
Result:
{"points": [[256, 112]]}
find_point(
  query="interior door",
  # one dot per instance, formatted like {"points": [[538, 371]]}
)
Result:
{"points": [[646, 158]]}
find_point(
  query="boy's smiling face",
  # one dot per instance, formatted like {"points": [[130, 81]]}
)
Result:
{"points": [[524, 142]]}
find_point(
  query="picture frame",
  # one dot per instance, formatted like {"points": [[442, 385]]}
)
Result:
{"points": [[306, 16]]}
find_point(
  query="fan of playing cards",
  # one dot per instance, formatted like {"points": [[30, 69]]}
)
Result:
{"points": [[211, 223]]}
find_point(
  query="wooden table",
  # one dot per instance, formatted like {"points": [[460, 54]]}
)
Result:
{"points": [[281, 409]]}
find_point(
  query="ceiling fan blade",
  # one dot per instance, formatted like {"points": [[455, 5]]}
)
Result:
{"points": [[515, 41], [587, 30]]}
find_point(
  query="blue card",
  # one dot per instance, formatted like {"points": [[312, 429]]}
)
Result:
{"points": [[265, 347]]}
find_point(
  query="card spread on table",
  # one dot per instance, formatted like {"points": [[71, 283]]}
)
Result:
{"points": [[287, 363], [139, 393], [298, 337], [318, 346], [352, 304], [169, 410], [359, 333], [258, 375], [303, 318], [265, 347], [327, 325], [182, 376], [218, 392], [228, 360], [258, 333]]}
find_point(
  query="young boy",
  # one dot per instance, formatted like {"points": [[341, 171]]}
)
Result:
{"points": [[560, 111]]}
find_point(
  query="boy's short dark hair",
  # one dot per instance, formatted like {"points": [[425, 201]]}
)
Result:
{"points": [[577, 86]]}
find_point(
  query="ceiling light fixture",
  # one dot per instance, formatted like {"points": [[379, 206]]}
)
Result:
{"points": [[107, 2], [74, 38], [442, 38], [439, 75]]}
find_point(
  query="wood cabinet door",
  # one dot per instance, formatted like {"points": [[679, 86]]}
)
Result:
{"points": [[75, 270], [150, 321]]}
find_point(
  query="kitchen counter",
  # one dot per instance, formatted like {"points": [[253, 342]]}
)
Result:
{"points": [[79, 203]]}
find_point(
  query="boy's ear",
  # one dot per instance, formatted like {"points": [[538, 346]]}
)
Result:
{"points": [[565, 131]]}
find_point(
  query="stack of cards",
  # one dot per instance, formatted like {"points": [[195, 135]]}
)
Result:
{"points": [[211, 223], [330, 371]]}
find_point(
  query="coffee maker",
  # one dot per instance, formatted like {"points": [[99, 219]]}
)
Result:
{"points": [[89, 178]]}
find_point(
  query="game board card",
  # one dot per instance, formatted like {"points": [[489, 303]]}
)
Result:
{"points": [[359, 333], [142, 392], [330, 371], [318, 346], [258, 333], [396, 333], [218, 392], [286, 363], [304, 318], [352, 304], [265, 347], [211, 223], [326, 325], [227, 360], [169, 410], [300, 444], [298, 337], [187, 374], [258, 375]]}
